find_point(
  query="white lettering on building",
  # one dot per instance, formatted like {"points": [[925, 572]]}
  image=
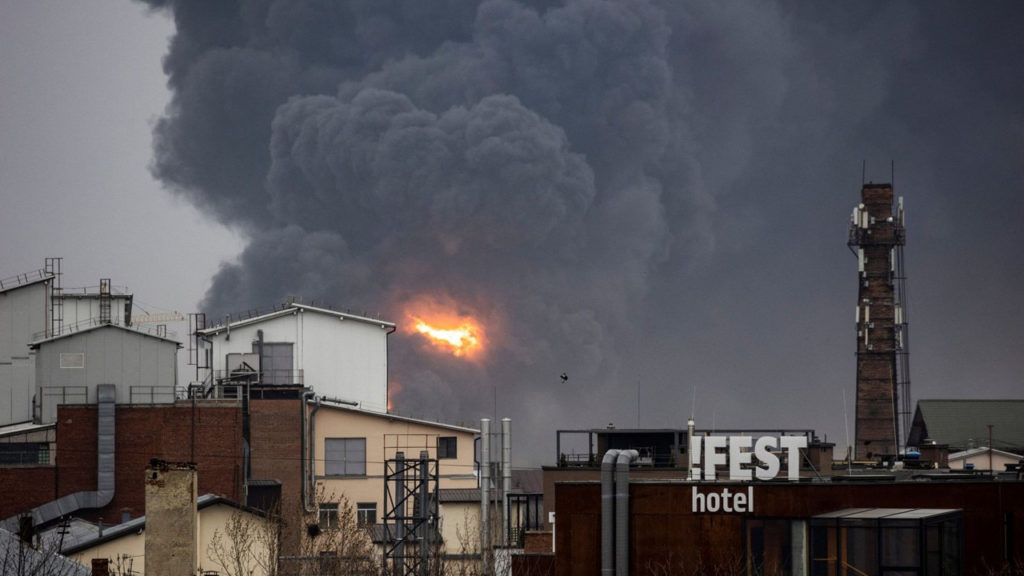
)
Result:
{"points": [[726, 501], [710, 452]]}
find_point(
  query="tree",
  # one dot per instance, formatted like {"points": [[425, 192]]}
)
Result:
{"points": [[27, 555], [249, 544]]}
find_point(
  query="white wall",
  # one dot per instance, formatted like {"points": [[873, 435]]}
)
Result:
{"points": [[24, 312], [344, 359], [81, 309]]}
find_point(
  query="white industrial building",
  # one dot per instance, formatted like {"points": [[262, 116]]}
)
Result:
{"points": [[340, 355], [142, 367], [57, 343]]}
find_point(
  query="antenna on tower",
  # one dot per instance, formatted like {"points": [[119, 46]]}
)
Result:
{"points": [[863, 171]]}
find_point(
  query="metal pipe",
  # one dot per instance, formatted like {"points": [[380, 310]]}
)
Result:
{"points": [[622, 511], [485, 497], [608, 513], [106, 402], [506, 475], [304, 453], [312, 451]]}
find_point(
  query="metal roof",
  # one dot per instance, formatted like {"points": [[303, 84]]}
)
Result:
{"points": [[32, 561], [79, 540], [448, 495], [886, 513], [961, 423], [97, 326], [290, 309], [24, 280], [332, 403]]}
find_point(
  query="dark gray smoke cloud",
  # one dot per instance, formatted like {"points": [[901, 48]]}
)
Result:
{"points": [[648, 195]]}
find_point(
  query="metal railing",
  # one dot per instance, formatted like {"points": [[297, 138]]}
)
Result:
{"points": [[159, 330], [24, 278], [151, 395], [280, 377]]}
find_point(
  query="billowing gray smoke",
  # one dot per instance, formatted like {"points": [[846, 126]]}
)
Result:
{"points": [[635, 192]]}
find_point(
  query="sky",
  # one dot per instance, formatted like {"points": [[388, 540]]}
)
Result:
{"points": [[651, 197]]}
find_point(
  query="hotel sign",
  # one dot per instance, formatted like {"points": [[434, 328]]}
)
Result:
{"points": [[747, 459]]}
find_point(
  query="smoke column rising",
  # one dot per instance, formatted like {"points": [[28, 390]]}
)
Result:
{"points": [[557, 171]]}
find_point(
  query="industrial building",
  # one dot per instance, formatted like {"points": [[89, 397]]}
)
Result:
{"points": [[691, 501], [287, 412]]}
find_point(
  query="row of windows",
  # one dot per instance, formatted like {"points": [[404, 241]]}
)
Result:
{"points": [[347, 456], [366, 514]]}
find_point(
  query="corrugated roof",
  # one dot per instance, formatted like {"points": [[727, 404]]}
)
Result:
{"points": [[291, 309], [32, 561], [963, 424], [451, 495], [98, 326]]}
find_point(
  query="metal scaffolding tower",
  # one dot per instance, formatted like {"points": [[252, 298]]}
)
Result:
{"points": [[411, 537]]}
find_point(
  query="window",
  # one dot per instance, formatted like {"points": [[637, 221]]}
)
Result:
{"points": [[328, 515], [345, 457], [278, 365], [366, 513], [447, 447]]}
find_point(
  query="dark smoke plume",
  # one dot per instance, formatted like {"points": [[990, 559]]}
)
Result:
{"points": [[648, 195]]}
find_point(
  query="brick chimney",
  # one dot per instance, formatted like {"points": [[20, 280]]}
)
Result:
{"points": [[877, 237]]}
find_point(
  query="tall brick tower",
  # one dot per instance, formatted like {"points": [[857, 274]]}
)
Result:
{"points": [[883, 386]]}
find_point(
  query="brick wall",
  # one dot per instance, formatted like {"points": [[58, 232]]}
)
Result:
{"points": [[276, 430], [147, 432], [24, 488]]}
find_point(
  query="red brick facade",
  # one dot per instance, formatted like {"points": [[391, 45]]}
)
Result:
{"points": [[141, 433], [276, 428]]}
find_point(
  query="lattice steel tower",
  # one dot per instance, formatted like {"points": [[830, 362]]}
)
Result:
{"points": [[877, 237]]}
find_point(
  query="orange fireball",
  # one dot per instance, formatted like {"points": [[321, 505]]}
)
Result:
{"points": [[460, 340], [458, 334]]}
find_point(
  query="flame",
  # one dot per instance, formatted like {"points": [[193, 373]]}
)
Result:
{"points": [[457, 333], [460, 340]]}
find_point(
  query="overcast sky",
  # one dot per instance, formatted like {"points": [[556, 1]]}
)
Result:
{"points": [[650, 196]]}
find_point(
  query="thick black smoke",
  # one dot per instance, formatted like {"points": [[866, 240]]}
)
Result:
{"points": [[648, 195]]}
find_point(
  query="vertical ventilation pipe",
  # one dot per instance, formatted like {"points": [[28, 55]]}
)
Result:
{"points": [[608, 513], [506, 475], [615, 512], [485, 495], [306, 452], [622, 511]]}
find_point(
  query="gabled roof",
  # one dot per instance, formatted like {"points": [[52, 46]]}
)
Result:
{"points": [[98, 326], [290, 309], [136, 525], [982, 450], [339, 405], [958, 423]]}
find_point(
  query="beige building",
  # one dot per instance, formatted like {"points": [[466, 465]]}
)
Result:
{"points": [[351, 447], [983, 459], [124, 545]]}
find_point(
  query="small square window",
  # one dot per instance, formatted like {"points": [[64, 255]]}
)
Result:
{"points": [[447, 447], [366, 513], [328, 515]]}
